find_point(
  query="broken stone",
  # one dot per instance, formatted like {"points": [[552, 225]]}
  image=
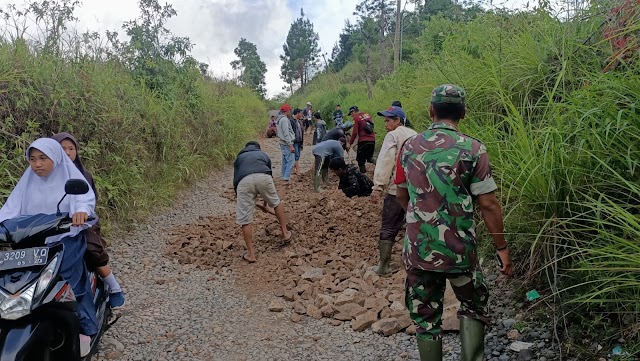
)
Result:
{"points": [[513, 335], [313, 274], [299, 308], [370, 275], [314, 312], [517, 346], [347, 296], [396, 297], [411, 330], [323, 300], [376, 304], [352, 310], [363, 321], [333, 322], [276, 306], [386, 326], [296, 317], [289, 295], [328, 311], [279, 292], [397, 306]]}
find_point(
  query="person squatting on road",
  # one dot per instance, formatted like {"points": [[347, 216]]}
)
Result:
{"points": [[298, 130], [96, 256], [286, 137], [39, 190], [323, 153], [252, 176], [441, 174], [271, 128], [352, 182], [392, 217], [363, 130], [320, 129]]}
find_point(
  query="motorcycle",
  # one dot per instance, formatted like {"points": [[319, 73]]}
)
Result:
{"points": [[38, 320]]}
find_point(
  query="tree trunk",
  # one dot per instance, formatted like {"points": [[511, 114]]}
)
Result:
{"points": [[396, 42], [383, 48], [367, 73]]}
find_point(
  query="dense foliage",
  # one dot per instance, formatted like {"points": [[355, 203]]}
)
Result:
{"points": [[146, 113], [564, 141]]}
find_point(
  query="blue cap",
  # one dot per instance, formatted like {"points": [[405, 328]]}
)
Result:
{"points": [[393, 112]]}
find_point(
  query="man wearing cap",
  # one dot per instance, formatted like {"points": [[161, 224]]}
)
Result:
{"points": [[392, 212], [286, 137], [441, 174], [366, 140], [407, 123]]}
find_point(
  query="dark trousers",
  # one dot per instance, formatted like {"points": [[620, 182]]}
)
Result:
{"points": [[393, 218], [428, 287], [365, 154]]}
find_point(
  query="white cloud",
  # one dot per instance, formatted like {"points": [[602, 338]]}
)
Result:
{"points": [[216, 26]]}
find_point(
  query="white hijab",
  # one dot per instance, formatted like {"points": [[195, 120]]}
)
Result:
{"points": [[34, 194]]}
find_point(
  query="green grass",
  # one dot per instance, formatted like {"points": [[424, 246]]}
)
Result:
{"points": [[140, 146], [564, 142]]}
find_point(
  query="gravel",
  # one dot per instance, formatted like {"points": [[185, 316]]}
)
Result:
{"points": [[181, 312]]}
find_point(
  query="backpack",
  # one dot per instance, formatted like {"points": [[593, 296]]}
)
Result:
{"points": [[368, 124]]}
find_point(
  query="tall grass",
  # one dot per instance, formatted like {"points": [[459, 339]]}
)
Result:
{"points": [[564, 142]]}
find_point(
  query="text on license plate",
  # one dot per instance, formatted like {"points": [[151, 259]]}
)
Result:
{"points": [[23, 258]]}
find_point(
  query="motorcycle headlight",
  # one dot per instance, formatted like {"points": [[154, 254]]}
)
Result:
{"points": [[46, 277], [16, 306]]}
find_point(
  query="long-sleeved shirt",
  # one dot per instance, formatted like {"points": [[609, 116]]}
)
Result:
{"points": [[385, 171], [335, 134], [358, 129], [328, 148], [284, 131]]}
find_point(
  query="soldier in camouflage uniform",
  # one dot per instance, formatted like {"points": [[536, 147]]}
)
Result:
{"points": [[441, 174]]}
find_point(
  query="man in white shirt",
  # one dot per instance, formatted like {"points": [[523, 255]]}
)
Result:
{"points": [[393, 215]]}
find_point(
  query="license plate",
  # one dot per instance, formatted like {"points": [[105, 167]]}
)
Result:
{"points": [[21, 258]]}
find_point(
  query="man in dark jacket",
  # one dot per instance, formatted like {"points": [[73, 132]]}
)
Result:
{"points": [[252, 176], [352, 182]]}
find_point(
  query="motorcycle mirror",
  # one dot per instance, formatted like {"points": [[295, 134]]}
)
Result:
{"points": [[73, 187], [76, 187]]}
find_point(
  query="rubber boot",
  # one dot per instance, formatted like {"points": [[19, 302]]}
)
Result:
{"points": [[363, 169], [316, 183], [385, 247], [325, 175], [471, 339], [430, 350]]}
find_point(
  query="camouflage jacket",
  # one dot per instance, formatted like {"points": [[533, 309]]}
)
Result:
{"points": [[442, 170]]}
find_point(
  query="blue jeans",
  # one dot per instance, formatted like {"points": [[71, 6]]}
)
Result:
{"points": [[288, 159], [298, 148]]}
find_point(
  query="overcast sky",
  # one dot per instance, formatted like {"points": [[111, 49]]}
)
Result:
{"points": [[216, 26]]}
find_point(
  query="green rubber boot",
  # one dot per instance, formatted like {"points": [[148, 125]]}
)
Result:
{"points": [[471, 339], [430, 350], [325, 175], [316, 183], [384, 247]]}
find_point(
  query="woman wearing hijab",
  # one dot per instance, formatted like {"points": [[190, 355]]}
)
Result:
{"points": [[96, 256], [39, 191]]}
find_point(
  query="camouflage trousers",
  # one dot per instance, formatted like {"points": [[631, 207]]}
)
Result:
{"points": [[425, 295]]}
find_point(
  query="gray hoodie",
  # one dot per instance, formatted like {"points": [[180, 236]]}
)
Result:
{"points": [[284, 131]]}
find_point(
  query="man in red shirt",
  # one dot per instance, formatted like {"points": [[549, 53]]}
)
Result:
{"points": [[363, 130]]}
